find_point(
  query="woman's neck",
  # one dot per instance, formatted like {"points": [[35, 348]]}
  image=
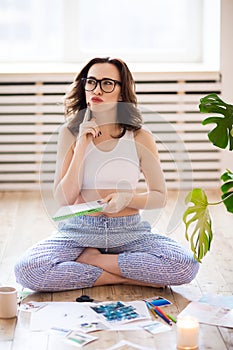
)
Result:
{"points": [[105, 117], [110, 130]]}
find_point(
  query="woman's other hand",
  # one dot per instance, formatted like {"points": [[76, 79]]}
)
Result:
{"points": [[116, 201]]}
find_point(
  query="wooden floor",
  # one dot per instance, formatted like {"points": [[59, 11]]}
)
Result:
{"points": [[24, 221]]}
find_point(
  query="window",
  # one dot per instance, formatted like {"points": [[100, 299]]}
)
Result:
{"points": [[136, 30], [146, 30], [31, 30]]}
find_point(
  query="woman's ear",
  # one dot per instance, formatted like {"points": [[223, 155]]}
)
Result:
{"points": [[119, 98]]}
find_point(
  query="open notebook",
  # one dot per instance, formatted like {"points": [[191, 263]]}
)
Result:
{"points": [[69, 211]]}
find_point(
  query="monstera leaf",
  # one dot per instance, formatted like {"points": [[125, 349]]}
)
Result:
{"points": [[196, 217], [227, 190], [197, 220], [222, 134]]}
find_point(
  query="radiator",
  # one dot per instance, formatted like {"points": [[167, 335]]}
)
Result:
{"points": [[31, 111]]}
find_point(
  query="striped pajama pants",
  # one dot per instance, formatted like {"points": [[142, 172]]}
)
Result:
{"points": [[142, 255]]}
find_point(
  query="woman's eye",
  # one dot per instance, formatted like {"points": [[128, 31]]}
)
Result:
{"points": [[90, 81], [108, 82]]}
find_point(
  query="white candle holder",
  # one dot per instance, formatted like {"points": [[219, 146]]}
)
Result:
{"points": [[187, 333]]}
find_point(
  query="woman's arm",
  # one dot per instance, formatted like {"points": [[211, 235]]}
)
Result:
{"points": [[68, 174], [156, 195], [70, 159]]}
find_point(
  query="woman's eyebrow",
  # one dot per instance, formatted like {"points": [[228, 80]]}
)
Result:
{"points": [[91, 77]]}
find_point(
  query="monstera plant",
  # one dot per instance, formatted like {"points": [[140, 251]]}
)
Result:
{"points": [[197, 219]]}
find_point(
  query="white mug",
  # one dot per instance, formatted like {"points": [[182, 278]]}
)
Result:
{"points": [[8, 302]]}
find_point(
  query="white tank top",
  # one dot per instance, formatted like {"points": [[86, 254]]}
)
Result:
{"points": [[116, 169]]}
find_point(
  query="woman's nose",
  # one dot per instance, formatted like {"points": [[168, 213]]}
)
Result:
{"points": [[97, 89]]}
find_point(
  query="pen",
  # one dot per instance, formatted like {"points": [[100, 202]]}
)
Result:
{"points": [[162, 314], [165, 314], [166, 319], [161, 311], [171, 318], [151, 309]]}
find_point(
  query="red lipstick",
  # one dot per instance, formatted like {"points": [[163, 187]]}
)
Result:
{"points": [[96, 99]]}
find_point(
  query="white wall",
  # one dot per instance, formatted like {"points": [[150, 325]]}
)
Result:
{"points": [[226, 66], [227, 50]]}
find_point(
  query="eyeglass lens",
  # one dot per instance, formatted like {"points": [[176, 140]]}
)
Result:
{"points": [[107, 85]]}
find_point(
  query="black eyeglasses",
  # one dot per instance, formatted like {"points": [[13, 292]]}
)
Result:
{"points": [[106, 85]]}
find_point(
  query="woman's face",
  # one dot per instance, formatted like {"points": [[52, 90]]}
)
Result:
{"points": [[97, 99]]}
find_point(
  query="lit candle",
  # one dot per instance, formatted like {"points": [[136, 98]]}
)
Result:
{"points": [[187, 333]]}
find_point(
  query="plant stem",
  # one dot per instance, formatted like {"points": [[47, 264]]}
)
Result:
{"points": [[216, 203]]}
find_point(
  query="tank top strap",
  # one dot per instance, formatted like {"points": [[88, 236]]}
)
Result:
{"points": [[129, 135]]}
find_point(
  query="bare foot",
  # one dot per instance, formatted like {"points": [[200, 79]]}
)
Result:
{"points": [[88, 256]]}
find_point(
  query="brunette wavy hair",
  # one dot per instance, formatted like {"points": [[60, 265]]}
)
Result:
{"points": [[128, 115]]}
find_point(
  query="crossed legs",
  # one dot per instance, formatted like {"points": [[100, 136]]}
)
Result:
{"points": [[61, 264], [111, 271]]}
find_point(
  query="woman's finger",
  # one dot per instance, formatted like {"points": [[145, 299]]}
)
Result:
{"points": [[89, 125], [92, 130], [87, 115]]}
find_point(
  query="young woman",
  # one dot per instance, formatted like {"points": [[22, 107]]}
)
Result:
{"points": [[102, 149]]}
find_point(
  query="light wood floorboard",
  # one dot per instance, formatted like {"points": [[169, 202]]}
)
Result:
{"points": [[24, 221]]}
